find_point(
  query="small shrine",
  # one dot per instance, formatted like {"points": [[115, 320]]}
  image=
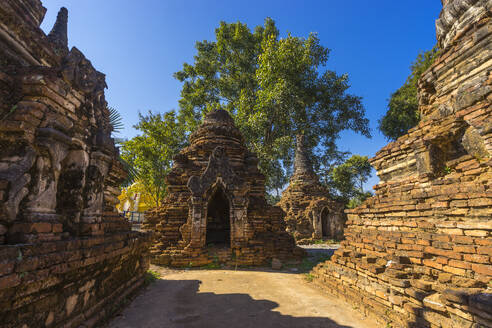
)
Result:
{"points": [[216, 211], [310, 211]]}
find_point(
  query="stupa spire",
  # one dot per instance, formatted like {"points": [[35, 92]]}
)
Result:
{"points": [[59, 35], [302, 162]]}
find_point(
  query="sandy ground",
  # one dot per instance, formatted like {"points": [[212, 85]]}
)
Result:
{"points": [[255, 298]]}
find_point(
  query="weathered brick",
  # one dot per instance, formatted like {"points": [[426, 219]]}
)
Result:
{"points": [[6, 267], [412, 308], [423, 242], [432, 264], [57, 227], [476, 233], [464, 282], [483, 241], [475, 225], [443, 238], [485, 250], [9, 281], [464, 249], [476, 258], [453, 270], [444, 277], [463, 239], [459, 264], [480, 202], [455, 231], [482, 269], [442, 252], [442, 260]]}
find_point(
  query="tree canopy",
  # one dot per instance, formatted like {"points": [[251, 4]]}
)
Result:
{"points": [[403, 113], [150, 154], [348, 180], [274, 88]]}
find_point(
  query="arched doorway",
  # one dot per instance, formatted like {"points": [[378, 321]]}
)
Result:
{"points": [[325, 223], [218, 219]]}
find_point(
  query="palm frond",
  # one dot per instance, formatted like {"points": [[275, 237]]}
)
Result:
{"points": [[132, 173], [115, 120]]}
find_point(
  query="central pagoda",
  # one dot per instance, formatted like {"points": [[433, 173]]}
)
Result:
{"points": [[216, 211]]}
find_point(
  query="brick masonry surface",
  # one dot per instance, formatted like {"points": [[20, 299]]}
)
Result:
{"points": [[419, 253], [67, 259]]}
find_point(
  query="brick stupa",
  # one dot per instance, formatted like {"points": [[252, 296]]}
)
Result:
{"points": [[216, 209], [67, 258], [419, 253], [310, 211]]}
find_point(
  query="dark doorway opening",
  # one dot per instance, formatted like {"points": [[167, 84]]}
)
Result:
{"points": [[218, 219], [325, 223]]}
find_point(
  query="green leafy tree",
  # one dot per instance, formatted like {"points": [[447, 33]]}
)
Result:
{"points": [[403, 113], [274, 88], [348, 180], [358, 199], [150, 154]]}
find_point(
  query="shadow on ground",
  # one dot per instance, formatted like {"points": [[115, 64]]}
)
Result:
{"points": [[184, 306]]}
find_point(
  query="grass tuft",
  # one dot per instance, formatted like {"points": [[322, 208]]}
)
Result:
{"points": [[151, 276], [324, 241], [309, 277]]}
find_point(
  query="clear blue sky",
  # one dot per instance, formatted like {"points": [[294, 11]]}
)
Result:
{"points": [[140, 44]]}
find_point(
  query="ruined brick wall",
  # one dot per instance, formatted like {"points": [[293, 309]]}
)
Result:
{"points": [[70, 282], [311, 213], [66, 256], [419, 253], [217, 159]]}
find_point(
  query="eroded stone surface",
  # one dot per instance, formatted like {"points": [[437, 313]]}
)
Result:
{"points": [[310, 211], [65, 254], [418, 253]]}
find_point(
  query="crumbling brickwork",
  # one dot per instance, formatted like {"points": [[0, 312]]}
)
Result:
{"points": [[66, 256], [419, 253], [216, 210], [311, 213]]}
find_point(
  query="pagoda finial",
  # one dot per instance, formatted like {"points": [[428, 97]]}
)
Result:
{"points": [[58, 35]]}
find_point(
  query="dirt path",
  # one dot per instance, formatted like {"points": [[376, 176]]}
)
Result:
{"points": [[228, 298]]}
